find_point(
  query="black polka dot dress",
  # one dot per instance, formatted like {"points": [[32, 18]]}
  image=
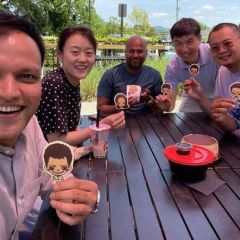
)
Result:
{"points": [[59, 109]]}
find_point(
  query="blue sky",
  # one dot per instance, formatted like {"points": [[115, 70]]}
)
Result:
{"points": [[163, 13]]}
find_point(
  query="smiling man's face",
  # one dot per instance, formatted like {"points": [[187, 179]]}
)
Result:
{"points": [[20, 85]]}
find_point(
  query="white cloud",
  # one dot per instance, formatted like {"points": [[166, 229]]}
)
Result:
{"points": [[196, 11], [207, 7], [201, 17], [160, 14], [232, 8]]}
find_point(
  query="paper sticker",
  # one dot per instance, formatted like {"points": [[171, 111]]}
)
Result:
{"points": [[194, 70], [121, 101], [234, 90], [58, 159], [166, 88]]}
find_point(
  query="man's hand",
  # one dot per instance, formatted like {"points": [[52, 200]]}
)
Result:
{"points": [[116, 120], [193, 89], [220, 107], [73, 199], [81, 151], [163, 102], [132, 101]]}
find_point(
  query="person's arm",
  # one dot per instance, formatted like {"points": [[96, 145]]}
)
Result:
{"points": [[116, 121], [74, 199], [105, 106], [220, 113], [73, 138]]}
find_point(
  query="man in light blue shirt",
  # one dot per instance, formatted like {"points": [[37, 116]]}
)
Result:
{"points": [[21, 139], [186, 38]]}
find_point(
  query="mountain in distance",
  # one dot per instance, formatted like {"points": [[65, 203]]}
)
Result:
{"points": [[160, 29]]}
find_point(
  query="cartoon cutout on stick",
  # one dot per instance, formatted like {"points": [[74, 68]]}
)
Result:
{"points": [[121, 101], [194, 70], [234, 90], [166, 88], [58, 160]]}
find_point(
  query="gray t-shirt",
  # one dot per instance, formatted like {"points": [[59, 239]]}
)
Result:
{"points": [[116, 79]]}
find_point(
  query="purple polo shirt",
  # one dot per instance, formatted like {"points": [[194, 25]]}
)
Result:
{"points": [[177, 72], [224, 80]]}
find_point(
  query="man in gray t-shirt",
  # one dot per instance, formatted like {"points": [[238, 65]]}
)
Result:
{"points": [[132, 72]]}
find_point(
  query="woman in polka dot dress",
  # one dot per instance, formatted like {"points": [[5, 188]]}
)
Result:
{"points": [[59, 110]]}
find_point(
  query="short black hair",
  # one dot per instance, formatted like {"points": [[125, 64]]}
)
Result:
{"points": [[185, 26], [219, 26], [82, 30], [11, 22]]}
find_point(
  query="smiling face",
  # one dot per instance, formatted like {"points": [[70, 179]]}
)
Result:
{"points": [[135, 53], [77, 58], [20, 85], [57, 166], [121, 102], [187, 47], [225, 48]]}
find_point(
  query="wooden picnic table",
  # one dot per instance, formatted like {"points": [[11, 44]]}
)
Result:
{"points": [[139, 197]]}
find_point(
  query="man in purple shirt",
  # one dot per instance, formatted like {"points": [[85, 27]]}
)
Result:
{"points": [[186, 38], [21, 139]]}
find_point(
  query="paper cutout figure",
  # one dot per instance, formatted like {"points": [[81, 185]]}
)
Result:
{"points": [[58, 160], [234, 90], [194, 70], [134, 91], [121, 101], [166, 88]]}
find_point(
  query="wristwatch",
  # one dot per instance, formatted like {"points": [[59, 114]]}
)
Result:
{"points": [[95, 209]]}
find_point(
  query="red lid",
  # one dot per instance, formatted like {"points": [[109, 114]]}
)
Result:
{"points": [[198, 156]]}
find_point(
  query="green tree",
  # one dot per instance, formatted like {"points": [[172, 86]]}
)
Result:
{"points": [[51, 16], [140, 21], [203, 26]]}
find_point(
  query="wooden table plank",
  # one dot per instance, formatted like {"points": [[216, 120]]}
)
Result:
{"points": [[147, 222], [145, 154], [121, 216], [191, 212], [96, 225], [129, 153], [218, 217], [115, 161], [154, 142], [166, 207]]}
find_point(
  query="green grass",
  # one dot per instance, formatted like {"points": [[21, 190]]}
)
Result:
{"points": [[90, 83]]}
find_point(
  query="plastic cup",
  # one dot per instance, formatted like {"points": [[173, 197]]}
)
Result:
{"points": [[99, 139]]}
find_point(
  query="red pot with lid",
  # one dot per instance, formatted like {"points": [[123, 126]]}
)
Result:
{"points": [[189, 163]]}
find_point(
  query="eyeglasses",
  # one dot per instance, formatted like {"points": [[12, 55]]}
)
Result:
{"points": [[227, 45]]}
